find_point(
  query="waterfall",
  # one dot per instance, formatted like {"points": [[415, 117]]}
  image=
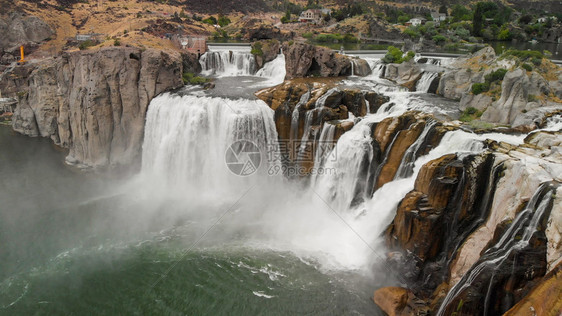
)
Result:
{"points": [[352, 68], [306, 135], [354, 153], [274, 70], [186, 138], [514, 240], [295, 115], [324, 147], [406, 167], [225, 63], [322, 100], [378, 70], [425, 81], [377, 67]]}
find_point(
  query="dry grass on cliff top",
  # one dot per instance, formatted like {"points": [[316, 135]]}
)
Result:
{"points": [[111, 18]]}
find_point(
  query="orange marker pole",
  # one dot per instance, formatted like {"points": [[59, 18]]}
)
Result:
{"points": [[22, 56]]}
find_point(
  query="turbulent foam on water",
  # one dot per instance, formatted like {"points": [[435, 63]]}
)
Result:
{"points": [[274, 71]]}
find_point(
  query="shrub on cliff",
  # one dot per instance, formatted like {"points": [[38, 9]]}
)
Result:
{"points": [[191, 78], [396, 56], [496, 75], [478, 88], [470, 114], [523, 54], [490, 78], [257, 49]]}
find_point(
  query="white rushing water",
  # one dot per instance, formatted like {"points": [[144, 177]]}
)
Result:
{"points": [[425, 81], [336, 219], [186, 138], [228, 63], [274, 71]]}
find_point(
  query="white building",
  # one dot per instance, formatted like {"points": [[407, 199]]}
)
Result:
{"points": [[416, 21], [310, 16]]}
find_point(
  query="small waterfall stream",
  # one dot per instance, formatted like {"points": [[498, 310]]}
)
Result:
{"points": [[406, 167], [513, 240], [425, 81]]}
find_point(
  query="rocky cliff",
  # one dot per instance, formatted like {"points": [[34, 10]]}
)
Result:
{"points": [[92, 102], [303, 106], [527, 93], [480, 231], [305, 60]]}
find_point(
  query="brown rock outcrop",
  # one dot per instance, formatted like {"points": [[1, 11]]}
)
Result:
{"points": [[394, 300], [303, 60], [449, 199], [95, 102], [544, 299], [303, 106], [267, 51]]}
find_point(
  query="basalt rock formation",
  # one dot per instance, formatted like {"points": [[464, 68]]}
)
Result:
{"points": [[305, 60], [479, 231], [303, 106], [92, 102], [405, 74]]}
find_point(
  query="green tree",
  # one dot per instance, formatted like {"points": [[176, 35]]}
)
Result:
{"points": [[211, 20], [478, 19], [223, 20], [460, 13], [504, 34], [438, 39], [443, 9]]}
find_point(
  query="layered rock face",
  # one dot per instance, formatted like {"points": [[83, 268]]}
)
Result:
{"points": [[514, 103], [480, 231], [93, 102], [304, 60], [303, 106], [521, 99]]}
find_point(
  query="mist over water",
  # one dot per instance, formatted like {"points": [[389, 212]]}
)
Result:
{"points": [[80, 242], [190, 234]]}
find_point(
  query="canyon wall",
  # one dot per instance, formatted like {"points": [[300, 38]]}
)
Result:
{"points": [[480, 229], [92, 102]]}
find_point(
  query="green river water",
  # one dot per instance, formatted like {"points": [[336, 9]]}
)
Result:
{"points": [[73, 243]]}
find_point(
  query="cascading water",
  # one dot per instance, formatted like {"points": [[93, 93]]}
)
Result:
{"points": [[513, 241], [296, 114], [274, 70], [425, 81], [406, 167], [186, 138], [322, 100], [225, 63], [354, 152]]}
